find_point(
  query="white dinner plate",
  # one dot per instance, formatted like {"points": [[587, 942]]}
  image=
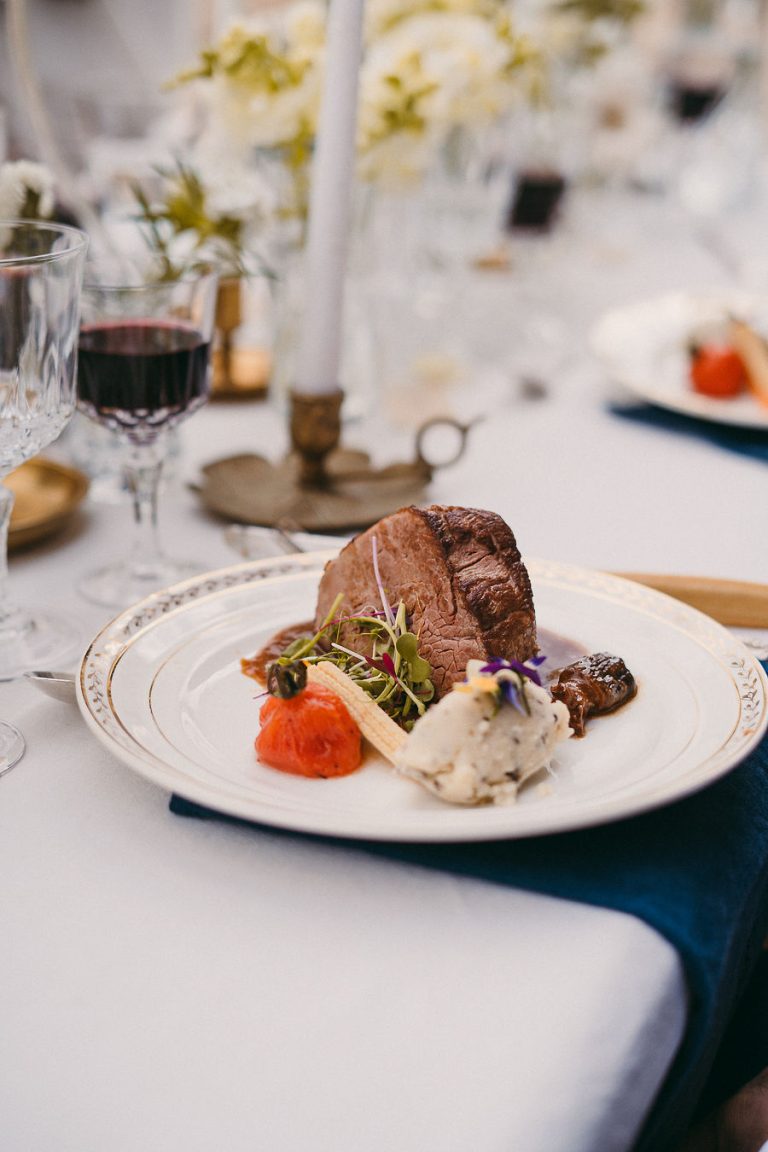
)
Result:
{"points": [[644, 347], [161, 686]]}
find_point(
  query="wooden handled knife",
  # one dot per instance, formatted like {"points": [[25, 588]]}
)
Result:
{"points": [[735, 603]]}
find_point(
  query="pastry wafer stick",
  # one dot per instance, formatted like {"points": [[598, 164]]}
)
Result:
{"points": [[378, 728]]}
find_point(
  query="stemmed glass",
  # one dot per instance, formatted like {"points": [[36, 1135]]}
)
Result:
{"points": [[143, 367], [41, 267]]}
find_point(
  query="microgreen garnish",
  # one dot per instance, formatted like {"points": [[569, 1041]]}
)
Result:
{"points": [[389, 668]]}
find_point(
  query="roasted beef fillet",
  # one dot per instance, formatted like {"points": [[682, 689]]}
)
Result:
{"points": [[592, 685], [460, 575]]}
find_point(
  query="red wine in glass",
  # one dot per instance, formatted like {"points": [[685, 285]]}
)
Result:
{"points": [[143, 366], [138, 375]]}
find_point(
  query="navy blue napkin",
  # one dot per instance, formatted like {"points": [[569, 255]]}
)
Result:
{"points": [[697, 871], [746, 441]]}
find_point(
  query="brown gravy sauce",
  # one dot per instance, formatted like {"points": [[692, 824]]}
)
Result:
{"points": [[256, 666], [559, 651]]}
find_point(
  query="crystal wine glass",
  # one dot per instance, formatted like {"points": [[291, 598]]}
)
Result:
{"points": [[143, 367], [41, 267]]}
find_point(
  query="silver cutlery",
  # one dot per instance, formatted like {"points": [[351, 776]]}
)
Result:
{"points": [[256, 543], [57, 685]]}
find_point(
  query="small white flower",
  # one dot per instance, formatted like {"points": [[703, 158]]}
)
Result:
{"points": [[278, 118], [267, 92], [305, 26], [231, 189], [448, 68], [398, 161], [21, 180], [383, 15]]}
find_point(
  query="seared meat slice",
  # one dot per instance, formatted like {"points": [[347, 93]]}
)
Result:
{"points": [[594, 684], [460, 575]]}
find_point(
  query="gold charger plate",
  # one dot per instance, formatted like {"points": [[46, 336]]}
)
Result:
{"points": [[46, 495]]}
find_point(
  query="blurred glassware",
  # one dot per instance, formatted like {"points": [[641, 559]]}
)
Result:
{"points": [[465, 195], [40, 276], [95, 451], [420, 244], [144, 367], [415, 279], [718, 174], [625, 122], [99, 453], [548, 138], [701, 61]]}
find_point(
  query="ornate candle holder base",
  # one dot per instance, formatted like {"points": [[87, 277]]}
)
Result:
{"points": [[320, 487], [252, 490]]}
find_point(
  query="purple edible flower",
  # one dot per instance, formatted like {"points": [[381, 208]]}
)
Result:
{"points": [[496, 665], [511, 694]]}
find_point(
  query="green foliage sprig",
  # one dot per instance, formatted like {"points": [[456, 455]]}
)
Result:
{"points": [[183, 210]]}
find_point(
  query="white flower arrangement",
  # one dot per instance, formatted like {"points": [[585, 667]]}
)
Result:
{"points": [[26, 191], [433, 70], [266, 78], [383, 15], [577, 33], [429, 67]]}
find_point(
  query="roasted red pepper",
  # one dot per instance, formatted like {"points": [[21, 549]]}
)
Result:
{"points": [[718, 371], [310, 734]]}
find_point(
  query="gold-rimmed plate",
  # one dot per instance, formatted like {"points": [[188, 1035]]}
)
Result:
{"points": [[161, 687], [46, 496]]}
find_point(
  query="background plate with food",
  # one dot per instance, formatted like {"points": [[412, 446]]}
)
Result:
{"points": [[681, 352]]}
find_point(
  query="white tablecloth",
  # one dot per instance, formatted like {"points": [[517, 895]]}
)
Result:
{"points": [[174, 985]]}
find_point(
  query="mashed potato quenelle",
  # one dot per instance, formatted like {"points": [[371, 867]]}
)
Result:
{"points": [[481, 741]]}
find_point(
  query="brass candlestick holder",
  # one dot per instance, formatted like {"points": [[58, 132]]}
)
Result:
{"points": [[321, 486]]}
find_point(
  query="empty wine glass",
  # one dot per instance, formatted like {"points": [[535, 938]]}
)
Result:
{"points": [[41, 267], [143, 367]]}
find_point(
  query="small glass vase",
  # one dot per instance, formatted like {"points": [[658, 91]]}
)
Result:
{"points": [[422, 242]]}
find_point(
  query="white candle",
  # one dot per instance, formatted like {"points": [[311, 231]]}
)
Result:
{"points": [[330, 204]]}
